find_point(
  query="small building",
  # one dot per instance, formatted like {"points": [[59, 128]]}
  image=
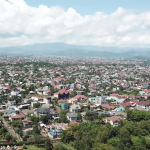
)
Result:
{"points": [[75, 108], [16, 117], [120, 109], [127, 104], [47, 100], [114, 121], [55, 131], [62, 94], [43, 111], [107, 106], [27, 123], [64, 106], [72, 116]]}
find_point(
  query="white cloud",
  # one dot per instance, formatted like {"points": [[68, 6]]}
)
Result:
{"points": [[27, 25]]}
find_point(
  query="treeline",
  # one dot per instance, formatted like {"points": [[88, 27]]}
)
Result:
{"points": [[138, 115]]}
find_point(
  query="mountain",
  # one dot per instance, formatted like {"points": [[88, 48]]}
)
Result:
{"points": [[62, 49], [87, 53]]}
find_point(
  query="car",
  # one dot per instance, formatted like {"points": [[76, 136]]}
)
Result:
{"points": [[15, 147], [20, 148], [8, 147]]}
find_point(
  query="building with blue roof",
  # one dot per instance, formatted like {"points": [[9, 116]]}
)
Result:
{"points": [[120, 109], [118, 100], [64, 106]]}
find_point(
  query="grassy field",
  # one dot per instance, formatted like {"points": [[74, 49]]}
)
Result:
{"points": [[33, 147]]}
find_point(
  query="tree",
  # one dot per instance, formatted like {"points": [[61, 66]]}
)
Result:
{"points": [[38, 140], [125, 136], [36, 130], [59, 146], [24, 146], [79, 117], [62, 117], [21, 133], [143, 141], [8, 137], [36, 105], [66, 136], [48, 145], [99, 146], [114, 142], [34, 119], [127, 100], [44, 119]]}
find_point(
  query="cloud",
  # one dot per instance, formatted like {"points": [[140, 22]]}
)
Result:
{"points": [[24, 24]]}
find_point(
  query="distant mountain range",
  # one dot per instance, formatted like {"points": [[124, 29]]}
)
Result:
{"points": [[62, 49]]}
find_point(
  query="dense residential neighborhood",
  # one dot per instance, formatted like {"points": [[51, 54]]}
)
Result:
{"points": [[55, 97]]}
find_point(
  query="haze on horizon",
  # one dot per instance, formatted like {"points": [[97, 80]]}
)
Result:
{"points": [[23, 23]]}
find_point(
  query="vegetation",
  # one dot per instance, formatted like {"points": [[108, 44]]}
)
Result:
{"points": [[36, 105], [62, 117], [48, 145], [44, 119], [95, 136]]}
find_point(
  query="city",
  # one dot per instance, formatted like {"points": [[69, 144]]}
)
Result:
{"points": [[74, 75], [51, 97]]}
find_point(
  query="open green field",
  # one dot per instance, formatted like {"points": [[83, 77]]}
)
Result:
{"points": [[33, 147]]}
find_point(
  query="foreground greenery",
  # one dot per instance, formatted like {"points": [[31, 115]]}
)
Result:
{"points": [[131, 134]]}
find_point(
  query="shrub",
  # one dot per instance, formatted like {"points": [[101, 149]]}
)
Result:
{"points": [[24, 146]]}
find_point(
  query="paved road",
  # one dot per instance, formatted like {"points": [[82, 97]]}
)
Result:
{"points": [[10, 130]]}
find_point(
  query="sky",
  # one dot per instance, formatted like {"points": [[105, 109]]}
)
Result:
{"points": [[117, 23], [89, 7]]}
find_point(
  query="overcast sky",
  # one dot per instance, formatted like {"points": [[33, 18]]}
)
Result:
{"points": [[124, 23]]}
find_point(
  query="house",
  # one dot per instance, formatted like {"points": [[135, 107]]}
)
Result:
{"points": [[72, 116], [16, 91], [25, 106], [143, 104], [99, 100], [80, 97], [43, 111], [74, 122], [55, 131], [62, 94], [104, 112], [27, 123], [36, 98], [11, 110], [80, 92], [94, 107], [18, 116], [73, 100], [47, 100], [3, 107], [11, 103], [114, 121], [75, 108], [54, 115], [39, 91], [61, 101], [127, 104], [47, 92], [107, 106], [64, 106], [26, 101], [120, 109], [58, 81], [93, 113]]}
